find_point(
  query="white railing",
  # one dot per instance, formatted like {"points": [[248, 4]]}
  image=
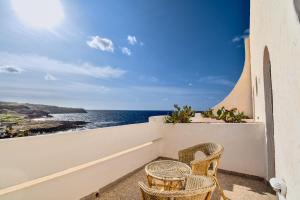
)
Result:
{"points": [[72, 165]]}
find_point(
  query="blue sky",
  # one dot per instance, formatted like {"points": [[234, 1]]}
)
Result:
{"points": [[129, 54]]}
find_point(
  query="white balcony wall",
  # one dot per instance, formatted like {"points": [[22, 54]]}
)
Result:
{"points": [[26, 159], [244, 143]]}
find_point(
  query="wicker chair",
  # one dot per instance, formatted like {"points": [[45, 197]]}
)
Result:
{"points": [[207, 166], [196, 188]]}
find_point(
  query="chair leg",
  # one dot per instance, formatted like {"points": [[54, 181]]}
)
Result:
{"points": [[208, 197], [220, 188], [143, 195], [150, 180]]}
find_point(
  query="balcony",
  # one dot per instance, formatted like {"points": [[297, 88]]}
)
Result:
{"points": [[74, 165], [236, 186]]}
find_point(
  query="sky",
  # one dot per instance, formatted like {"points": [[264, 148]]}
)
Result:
{"points": [[121, 54]]}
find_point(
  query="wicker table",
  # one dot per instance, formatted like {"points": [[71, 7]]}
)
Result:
{"points": [[167, 174]]}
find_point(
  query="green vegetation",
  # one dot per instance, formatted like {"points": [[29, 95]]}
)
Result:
{"points": [[16, 119], [208, 114], [231, 116], [180, 115], [10, 118], [228, 116]]}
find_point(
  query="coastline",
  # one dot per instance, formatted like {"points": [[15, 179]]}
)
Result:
{"points": [[18, 119]]}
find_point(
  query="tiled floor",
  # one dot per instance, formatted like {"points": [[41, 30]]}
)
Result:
{"points": [[235, 188]]}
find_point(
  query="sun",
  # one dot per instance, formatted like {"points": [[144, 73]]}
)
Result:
{"points": [[40, 14]]}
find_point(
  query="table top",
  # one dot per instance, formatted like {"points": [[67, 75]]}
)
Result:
{"points": [[168, 170]]}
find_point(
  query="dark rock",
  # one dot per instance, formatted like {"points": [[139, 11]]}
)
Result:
{"points": [[39, 127], [16, 119]]}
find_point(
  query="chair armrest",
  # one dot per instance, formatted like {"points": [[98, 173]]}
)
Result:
{"points": [[201, 167], [186, 156]]}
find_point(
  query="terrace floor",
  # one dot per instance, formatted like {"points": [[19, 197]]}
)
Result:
{"points": [[235, 188]]}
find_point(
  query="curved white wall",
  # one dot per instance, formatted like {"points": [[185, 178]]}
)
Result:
{"points": [[241, 95]]}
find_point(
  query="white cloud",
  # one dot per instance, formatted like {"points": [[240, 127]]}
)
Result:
{"points": [[10, 69], [238, 38], [218, 80], [103, 44], [55, 93], [47, 65], [86, 87], [132, 39], [50, 77], [102, 72], [126, 51], [190, 84], [152, 79], [173, 90]]}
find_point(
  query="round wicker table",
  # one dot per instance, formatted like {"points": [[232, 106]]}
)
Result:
{"points": [[167, 174]]}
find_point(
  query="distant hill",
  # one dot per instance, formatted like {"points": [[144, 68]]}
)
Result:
{"points": [[35, 110], [55, 109]]}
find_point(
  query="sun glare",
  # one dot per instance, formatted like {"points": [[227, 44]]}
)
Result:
{"points": [[45, 14]]}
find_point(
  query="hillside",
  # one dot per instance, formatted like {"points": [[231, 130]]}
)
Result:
{"points": [[17, 119], [35, 110]]}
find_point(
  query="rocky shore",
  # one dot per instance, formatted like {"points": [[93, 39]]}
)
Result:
{"points": [[17, 120]]}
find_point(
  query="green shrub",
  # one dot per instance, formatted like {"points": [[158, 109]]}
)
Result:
{"points": [[228, 116], [231, 116], [179, 115], [10, 118], [208, 114]]}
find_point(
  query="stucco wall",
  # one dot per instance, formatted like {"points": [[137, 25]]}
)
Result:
{"points": [[274, 24], [243, 143], [49, 161], [241, 95], [29, 158]]}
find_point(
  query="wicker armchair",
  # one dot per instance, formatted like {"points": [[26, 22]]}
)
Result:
{"points": [[196, 188], [207, 166]]}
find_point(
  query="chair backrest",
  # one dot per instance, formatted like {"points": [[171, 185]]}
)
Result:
{"points": [[211, 149], [197, 188], [213, 153]]}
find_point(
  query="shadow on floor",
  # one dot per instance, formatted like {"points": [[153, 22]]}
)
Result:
{"points": [[234, 186]]}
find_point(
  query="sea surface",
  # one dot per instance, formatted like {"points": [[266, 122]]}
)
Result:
{"points": [[106, 118]]}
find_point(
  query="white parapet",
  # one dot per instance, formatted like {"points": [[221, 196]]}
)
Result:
{"points": [[72, 165], [244, 143]]}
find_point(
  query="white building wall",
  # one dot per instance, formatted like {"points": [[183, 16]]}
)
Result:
{"points": [[274, 24], [241, 95]]}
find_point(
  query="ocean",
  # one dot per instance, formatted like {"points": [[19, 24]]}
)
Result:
{"points": [[106, 118]]}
